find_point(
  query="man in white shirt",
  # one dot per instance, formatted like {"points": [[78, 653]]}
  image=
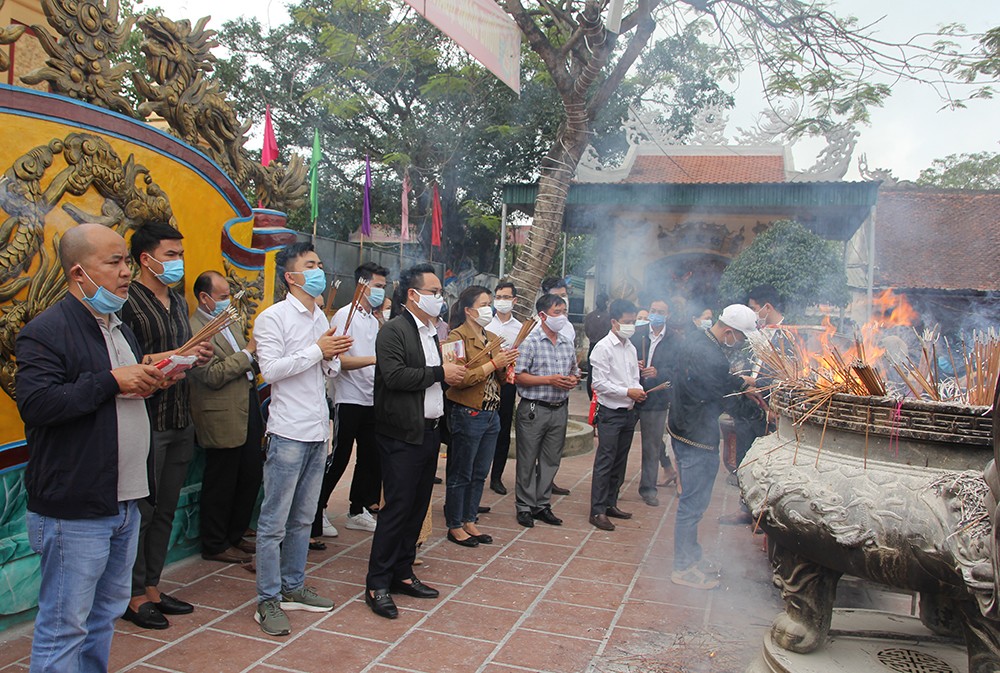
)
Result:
{"points": [[614, 366], [355, 406], [505, 325], [297, 352]]}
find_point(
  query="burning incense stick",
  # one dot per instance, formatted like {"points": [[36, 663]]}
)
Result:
{"points": [[525, 330], [359, 293], [662, 386], [328, 309]]}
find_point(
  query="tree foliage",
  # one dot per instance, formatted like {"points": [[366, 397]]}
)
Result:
{"points": [[804, 268], [977, 170]]}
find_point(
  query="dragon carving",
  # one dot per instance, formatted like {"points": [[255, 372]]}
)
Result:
{"points": [[131, 199], [178, 61], [79, 65], [8, 35]]}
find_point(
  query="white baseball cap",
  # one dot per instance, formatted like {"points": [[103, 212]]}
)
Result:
{"points": [[740, 317]]}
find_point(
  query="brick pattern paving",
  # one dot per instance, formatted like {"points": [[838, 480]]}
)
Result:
{"points": [[561, 599]]}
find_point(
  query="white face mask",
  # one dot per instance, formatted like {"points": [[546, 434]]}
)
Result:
{"points": [[387, 313], [485, 316], [705, 324], [503, 305], [626, 331], [556, 323], [430, 304]]}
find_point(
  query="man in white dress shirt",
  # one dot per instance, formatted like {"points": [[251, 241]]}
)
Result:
{"points": [[297, 351], [505, 325], [614, 366], [355, 406]]}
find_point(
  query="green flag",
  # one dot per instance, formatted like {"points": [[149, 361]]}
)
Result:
{"points": [[314, 177]]}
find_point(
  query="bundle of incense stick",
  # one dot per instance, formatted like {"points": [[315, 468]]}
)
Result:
{"points": [[213, 327], [982, 366], [359, 293], [870, 377], [328, 309], [526, 328], [662, 386], [484, 355], [782, 366]]}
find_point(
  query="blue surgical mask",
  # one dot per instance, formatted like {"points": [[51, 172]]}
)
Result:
{"points": [[657, 320], [173, 270], [103, 302], [641, 323], [376, 296], [220, 306], [315, 281]]}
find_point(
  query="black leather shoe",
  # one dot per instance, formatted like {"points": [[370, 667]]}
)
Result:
{"points": [[546, 516], [414, 588], [616, 513], [484, 509], [483, 538], [146, 617], [601, 521], [524, 518], [467, 542], [169, 605], [498, 487], [559, 491], [437, 480], [381, 603]]}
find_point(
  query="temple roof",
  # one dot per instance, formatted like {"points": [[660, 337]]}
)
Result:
{"points": [[732, 168], [940, 239]]}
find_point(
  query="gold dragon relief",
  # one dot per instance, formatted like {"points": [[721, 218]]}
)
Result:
{"points": [[247, 290], [8, 35], [48, 189]]}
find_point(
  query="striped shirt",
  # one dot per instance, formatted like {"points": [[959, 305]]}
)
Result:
{"points": [[540, 357], [159, 329]]}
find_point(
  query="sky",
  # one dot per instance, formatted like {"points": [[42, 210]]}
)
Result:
{"points": [[906, 135]]}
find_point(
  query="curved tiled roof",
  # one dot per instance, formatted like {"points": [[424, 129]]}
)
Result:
{"points": [[942, 239], [707, 169]]}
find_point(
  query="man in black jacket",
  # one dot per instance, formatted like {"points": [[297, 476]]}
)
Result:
{"points": [[409, 404], [655, 346], [89, 451], [702, 386]]}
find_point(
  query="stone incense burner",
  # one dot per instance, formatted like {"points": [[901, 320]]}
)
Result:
{"points": [[898, 493]]}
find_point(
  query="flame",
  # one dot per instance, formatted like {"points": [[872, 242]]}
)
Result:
{"points": [[830, 354]]}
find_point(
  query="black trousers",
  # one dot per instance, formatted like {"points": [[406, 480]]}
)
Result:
{"points": [[508, 396], [615, 428], [230, 486], [408, 479], [354, 424]]}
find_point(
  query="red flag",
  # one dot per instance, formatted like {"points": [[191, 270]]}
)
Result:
{"points": [[436, 219], [404, 226], [270, 151]]}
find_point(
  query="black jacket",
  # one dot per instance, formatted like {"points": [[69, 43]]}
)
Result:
{"points": [[66, 398], [401, 377], [663, 361], [700, 385]]}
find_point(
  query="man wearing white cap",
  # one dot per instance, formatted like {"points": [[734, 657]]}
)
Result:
{"points": [[701, 386]]}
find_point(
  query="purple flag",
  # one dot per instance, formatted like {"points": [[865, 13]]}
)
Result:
{"points": [[366, 210]]}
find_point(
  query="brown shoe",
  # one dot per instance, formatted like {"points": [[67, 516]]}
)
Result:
{"points": [[231, 555], [246, 546], [556, 490], [616, 513], [601, 521]]}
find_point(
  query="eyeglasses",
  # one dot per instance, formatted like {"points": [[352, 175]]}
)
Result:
{"points": [[433, 293]]}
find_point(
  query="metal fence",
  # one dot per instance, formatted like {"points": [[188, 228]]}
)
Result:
{"points": [[341, 258]]}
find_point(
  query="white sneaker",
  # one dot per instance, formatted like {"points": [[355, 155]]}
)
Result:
{"points": [[328, 528], [363, 521]]}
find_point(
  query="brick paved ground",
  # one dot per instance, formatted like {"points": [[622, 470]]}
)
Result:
{"points": [[556, 599]]}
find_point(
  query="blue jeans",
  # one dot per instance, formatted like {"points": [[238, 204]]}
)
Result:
{"points": [[696, 469], [293, 473], [473, 442], [86, 567]]}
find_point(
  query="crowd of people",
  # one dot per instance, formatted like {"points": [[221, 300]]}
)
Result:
{"points": [[110, 434]]}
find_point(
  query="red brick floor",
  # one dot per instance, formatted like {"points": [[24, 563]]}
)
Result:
{"points": [[562, 599]]}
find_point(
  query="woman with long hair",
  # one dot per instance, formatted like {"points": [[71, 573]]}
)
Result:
{"points": [[474, 418]]}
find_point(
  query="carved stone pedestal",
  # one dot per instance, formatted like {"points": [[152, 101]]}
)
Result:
{"points": [[869, 640]]}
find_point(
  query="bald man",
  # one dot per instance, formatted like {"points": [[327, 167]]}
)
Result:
{"points": [[80, 394]]}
